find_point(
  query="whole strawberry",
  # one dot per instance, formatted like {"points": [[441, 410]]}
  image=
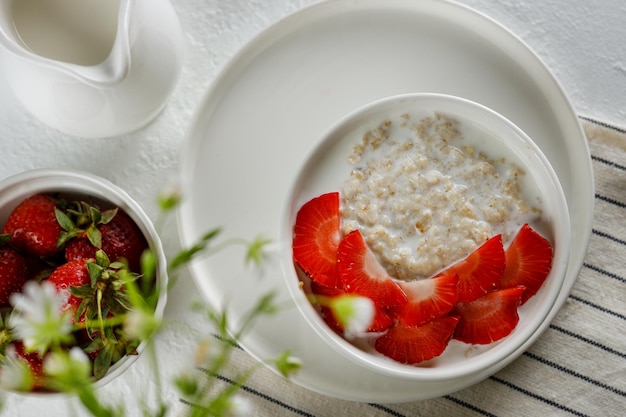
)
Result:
{"points": [[33, 227], [70, 274], [13, 273], [95, 291], [120, 238]]}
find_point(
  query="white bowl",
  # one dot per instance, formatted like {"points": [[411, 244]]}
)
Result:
{"points": [[325, 169], [71, 183]]}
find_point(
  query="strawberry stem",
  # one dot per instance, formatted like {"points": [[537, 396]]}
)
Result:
{"points": [[100, 320]]}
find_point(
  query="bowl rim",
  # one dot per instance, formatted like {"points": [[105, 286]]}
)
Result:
{"points": [[504, 351], [22, 185]]}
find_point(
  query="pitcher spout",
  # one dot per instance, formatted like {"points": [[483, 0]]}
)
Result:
{"points": [[91, 68], [115, 68], [87, 39]]}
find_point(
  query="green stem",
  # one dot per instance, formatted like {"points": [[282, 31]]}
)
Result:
{"points": [[91, 403], [100, 320], [205, 251], [223, 245], [154, 363]]}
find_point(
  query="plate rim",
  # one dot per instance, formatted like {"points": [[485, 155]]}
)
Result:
{"points": [[267, 38]]}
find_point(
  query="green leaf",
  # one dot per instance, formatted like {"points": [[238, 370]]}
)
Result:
{"points": [[266, 305], [102, 259], [4, 238], [82, 307], [94, 346], [122, 299], [187, 255], [64, 221], [103, 362], [82, 291], [168, 200], [187, 385], [287, 364], [96, 216], [255, 250], [94, 236], [63, 238], [95, 272], [70, 230], [107, 215]]}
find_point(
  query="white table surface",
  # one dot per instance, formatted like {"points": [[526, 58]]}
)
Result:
{"points": [[581, 42]]}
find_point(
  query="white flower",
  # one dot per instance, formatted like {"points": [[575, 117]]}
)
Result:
{"points": [[140, 324], [205, 353], [61, 363], [355, 313], [239, 407], [16, 373], [37, 318], [69, 371]]}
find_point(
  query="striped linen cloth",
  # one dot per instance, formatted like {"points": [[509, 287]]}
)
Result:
{"points": [[576, 368]]}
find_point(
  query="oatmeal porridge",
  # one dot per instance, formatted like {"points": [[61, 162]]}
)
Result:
{"points": [[423, 197]]}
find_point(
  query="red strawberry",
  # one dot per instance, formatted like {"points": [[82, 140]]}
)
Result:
{"points": [[121, 238], [528, 262], [381, 321], [34, 227], [13, 273], [480, 271], [316, 236], [71, 274], [34, 363], [415, 344], [362, 274], [489, 318], [79, 248], [428, 299]]}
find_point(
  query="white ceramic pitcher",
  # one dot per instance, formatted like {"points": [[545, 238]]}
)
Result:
{"points": [[91, 68]]}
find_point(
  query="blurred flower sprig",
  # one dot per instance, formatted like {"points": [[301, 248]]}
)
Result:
{"points": [[37, 319]]}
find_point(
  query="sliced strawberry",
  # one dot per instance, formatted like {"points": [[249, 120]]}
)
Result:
{"points": [[323, 290], [489, 318], [415, 344], [528, 262], [381, 321], [362, 274], [428, 299], [316, 238], [480, 271]]}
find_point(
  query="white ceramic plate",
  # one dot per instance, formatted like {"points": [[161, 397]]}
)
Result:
{"points": [[289, 85]]}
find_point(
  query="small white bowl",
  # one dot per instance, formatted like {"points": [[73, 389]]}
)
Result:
{"points": [[326, 167], [78, 184]]}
